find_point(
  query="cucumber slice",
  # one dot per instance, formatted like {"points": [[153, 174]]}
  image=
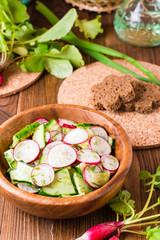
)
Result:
{"points": [[8, 155], [22, 173], [81, 186], [24, 133], [84, 145], [39, 136], [65, 130], [61, 185], [52, 125], [111, 142], [80, 167]]}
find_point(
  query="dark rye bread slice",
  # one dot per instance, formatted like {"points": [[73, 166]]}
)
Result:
{"points": [[15, 80], [124, 93], [143, 129], [112, 92]]}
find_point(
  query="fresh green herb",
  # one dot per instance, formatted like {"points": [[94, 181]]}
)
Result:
{"points": [[90, 28], [96, 50]]}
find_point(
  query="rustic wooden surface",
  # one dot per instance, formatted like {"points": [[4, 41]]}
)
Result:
{"points": [[18, 225]]}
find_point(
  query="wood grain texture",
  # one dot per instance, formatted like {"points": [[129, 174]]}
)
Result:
{"points": [[17, 225], [58, 208]]}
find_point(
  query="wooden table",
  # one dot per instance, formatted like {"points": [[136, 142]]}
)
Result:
{"points": [[18, 225]]}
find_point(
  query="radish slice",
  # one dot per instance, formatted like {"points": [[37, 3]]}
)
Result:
{"points": [[100, 145], [88, 156], [28, 188], [42, 175], [66, 123], [26, 151], [88, 177], [76, 136], [99, 131], [56, 136], [41, 121], [48, 137], [48, 147], [110, 163], [61, 155]]}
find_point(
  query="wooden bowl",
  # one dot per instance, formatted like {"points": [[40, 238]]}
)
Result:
{"points": [[68, 207]]}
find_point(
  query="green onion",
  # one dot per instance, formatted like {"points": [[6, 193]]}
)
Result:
{"points": [[94, 49]]}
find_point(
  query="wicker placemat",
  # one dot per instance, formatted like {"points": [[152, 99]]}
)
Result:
{"points": [[15, 80], [143, 129], [96, 5]]}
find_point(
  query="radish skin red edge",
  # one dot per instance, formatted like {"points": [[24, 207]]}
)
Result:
{"points": [[92, 156], [42, 175], [66, 123], [48, 137], [100, 145], [76, 136], [110, 163], [99, 131], [101, 231], [87, 177], [29, 155], [41, 121], [62, 155]]}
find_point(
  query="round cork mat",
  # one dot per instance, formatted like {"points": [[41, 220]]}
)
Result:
{"points": [[96, 5], [143, 129], [15, 80]]}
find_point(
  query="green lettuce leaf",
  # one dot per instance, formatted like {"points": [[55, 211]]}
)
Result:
{"points": [[70, 53], [90, 28], [61, 28], [58, 67]]}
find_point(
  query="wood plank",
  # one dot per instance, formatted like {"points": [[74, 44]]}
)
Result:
{"points": [[17, 225]]}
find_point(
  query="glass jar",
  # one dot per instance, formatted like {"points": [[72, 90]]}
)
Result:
{"points": [[138, 22]]}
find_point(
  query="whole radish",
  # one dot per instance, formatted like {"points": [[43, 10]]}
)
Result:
{"points": [[101, 231], [1, 78]]}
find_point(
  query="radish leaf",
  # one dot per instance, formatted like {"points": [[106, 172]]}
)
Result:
{"points": [[35, 63], [61, 28], [70, 53], [90, 28], [58, 67], [122, 203], [153, 233]]}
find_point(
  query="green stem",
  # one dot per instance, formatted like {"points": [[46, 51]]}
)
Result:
{"points": [[153, 206], [73, 39], [148, 200], [140, 224], [135, 232], [111, 63], [141, 219]]}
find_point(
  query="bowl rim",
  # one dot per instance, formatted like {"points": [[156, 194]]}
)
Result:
{"points": [[5, 185]]}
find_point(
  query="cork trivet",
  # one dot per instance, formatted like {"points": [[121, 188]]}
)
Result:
{"points": [[15, 80], [143, 129], [96, 5]]}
